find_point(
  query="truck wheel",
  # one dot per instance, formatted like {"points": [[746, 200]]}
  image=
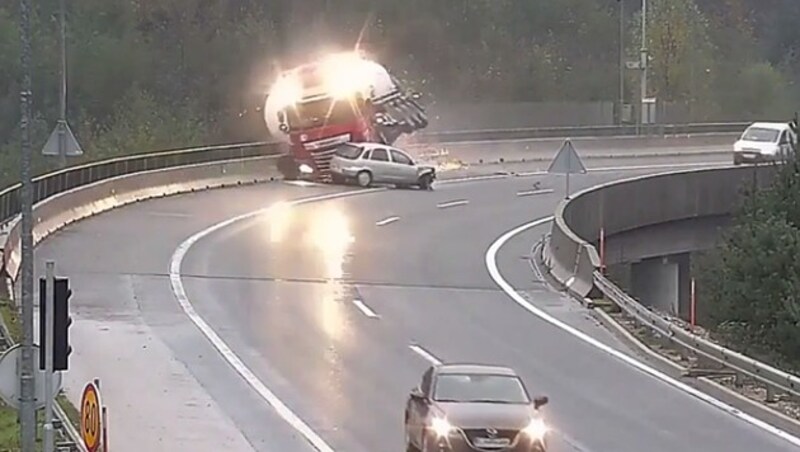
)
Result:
{"points": [[288, 168], [364, 179]]}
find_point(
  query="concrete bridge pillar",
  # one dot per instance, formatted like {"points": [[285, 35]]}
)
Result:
{"points": [[663, 283]]}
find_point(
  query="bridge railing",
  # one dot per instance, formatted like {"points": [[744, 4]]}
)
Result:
{"points": [[580, 132], [572, 259]]}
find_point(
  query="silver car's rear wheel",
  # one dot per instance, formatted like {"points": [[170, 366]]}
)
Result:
{"points": [[364, 179]]}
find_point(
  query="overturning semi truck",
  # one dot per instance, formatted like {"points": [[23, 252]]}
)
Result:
{"points": [[340, 98]]}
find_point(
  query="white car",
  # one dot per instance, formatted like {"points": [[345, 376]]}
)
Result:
{"points": [[764, 142], [368, 163]]}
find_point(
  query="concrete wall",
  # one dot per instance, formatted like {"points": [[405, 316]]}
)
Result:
{"points": [[60, 210], [636, 203]]}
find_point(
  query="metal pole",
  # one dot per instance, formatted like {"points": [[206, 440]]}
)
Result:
{"points": [[27, 411], [621, 58], [47, 349], [62, 119], [644, 59], [105, 431]]}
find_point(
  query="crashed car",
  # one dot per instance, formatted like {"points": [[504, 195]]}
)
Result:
{"points": [[473, 407], [368, 163]]}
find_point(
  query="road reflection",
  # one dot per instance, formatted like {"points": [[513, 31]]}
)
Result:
{"points": [[320, 240]]}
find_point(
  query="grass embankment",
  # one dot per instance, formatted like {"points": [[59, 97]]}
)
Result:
{"points": [[9, 425]]}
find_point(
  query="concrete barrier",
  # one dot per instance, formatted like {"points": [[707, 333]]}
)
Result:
{"points": [[634, 203], [57, 211]]}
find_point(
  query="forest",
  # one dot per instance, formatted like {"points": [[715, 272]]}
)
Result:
{"points": [[145, 76]]}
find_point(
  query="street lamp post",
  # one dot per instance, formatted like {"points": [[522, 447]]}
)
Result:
{"points": [[621, 59], [644, 62]]}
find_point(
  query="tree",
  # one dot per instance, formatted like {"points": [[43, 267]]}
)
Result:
{"points": [[750, 285], [679, 48]]}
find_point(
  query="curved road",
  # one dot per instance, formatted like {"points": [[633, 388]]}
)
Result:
{"points": [[335, 307]]}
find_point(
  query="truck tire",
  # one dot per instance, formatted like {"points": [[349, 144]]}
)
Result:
{"points": [[288, 168]]}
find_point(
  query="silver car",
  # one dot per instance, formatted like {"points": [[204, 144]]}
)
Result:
{"points": [[368, 163]]}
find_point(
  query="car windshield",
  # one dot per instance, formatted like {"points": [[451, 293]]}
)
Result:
{"points": [[317, 113], [480, 388], [760, 134], [348, 151]]}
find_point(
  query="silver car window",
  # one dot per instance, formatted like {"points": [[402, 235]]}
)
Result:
{"points": [[401, 158], [380, 155]]}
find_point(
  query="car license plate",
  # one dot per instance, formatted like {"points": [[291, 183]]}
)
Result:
{"points": [[492, 442]]}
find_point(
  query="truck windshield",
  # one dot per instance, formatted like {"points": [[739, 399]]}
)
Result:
{"points": [[317, 113]]}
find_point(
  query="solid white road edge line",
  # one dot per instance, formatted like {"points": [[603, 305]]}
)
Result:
{"points": [[425, 354], [230, 356], [386, 221], [491, 266], [445, 205], [365, 309]]}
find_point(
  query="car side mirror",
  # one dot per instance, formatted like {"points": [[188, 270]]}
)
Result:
{"points": [[416, 394], [540, 401]]}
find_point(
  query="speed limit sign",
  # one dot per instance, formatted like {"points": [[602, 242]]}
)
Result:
{"points": [[91, 420]]}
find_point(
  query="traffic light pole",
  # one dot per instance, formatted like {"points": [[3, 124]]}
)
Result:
{"points": [[48, 356]]}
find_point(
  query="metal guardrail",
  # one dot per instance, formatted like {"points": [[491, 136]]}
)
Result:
{"points": [[50, 184], [743, 364], [571, 259], [56, 182], [580, 132]]}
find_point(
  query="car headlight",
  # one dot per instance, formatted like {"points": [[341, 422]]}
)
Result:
{"points": [[305, 169], [536, 429], [441, 427]]}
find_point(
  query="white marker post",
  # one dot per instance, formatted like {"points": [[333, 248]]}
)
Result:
{"points": [[48, 355]]}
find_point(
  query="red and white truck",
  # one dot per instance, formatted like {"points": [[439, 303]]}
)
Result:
{"points": [[340, 98]]}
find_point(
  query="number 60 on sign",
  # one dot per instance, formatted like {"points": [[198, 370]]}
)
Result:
{"points": [[91, 418]]}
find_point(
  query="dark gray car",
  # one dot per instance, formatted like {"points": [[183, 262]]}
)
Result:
{"points": [[473, 407]]}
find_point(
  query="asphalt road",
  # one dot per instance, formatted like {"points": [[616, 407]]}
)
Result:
{"points": [[334, 308]]}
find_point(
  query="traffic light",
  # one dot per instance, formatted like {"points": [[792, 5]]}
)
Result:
{"points": [[61, 323]]}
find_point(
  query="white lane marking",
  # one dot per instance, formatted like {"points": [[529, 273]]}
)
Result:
{"points": [[491, 265], [365, 309], [386, 221], [535, 192], [230, 356], [425, 354], [445, 205], [156, 213]]}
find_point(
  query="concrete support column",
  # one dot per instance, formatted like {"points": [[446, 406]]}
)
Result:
{"points": [[663, 283], [655, 283]]}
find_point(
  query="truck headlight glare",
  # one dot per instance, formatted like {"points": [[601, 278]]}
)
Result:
{"points": [[305, 169]]}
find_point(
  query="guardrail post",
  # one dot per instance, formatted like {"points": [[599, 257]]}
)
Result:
{"points": [[770, 396]]}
